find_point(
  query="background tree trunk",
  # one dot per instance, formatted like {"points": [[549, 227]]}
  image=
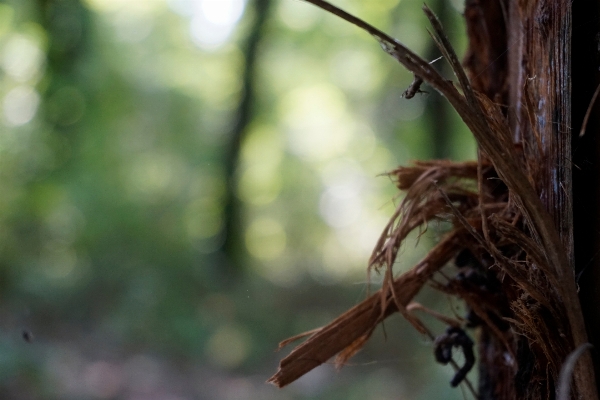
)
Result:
{"points": [[233, 231]]}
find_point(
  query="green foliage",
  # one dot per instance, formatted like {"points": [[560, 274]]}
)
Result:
{"points": [[114, 123]]}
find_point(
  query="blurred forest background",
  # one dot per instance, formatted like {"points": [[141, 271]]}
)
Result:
{"points": [[185, 183]]}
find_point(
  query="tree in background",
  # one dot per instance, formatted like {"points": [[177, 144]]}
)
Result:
{"points": [[115, 126]]}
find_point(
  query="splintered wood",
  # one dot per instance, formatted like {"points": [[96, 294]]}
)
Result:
{"points": [[348, 333], [512, 270]]}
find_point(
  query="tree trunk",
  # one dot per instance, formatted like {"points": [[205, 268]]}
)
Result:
{"points": [[520, 55]]}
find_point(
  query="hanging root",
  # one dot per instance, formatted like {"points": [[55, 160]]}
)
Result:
{"points": [[455, 337]]}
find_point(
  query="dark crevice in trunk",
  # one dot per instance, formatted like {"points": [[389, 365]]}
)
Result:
{"points": [[486, 64], [586, 163]]}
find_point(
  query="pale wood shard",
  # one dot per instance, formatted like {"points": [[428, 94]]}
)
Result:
{"points": [[351, 329]]}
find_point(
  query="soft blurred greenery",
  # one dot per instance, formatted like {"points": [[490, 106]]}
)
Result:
{"points": [[117, 117]]}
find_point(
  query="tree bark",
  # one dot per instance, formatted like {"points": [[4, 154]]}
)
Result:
{"points": [[520, 56], [539, 67]]}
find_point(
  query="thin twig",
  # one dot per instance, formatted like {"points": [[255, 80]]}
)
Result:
{"points": [[564, 378], [415, 86], [417, 306], [589, 112]]}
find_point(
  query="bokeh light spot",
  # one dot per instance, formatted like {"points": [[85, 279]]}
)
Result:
{"points": [[261, 180], [317, 123], [117, 5], [335, 265], [263, 146], [132, 27], [229, 346], [355, 70], [222, 12], [153, 176], [340, 209], [341, 202], [214, 21], [59, 264], [265, 238], [21, 58], [363, 143], [297, 15], [203, 218], [260, 185], [20, 105]]}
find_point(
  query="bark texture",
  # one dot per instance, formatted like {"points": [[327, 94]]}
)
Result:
{"points": [[520, 57], [519, 53], [539, 72]]}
